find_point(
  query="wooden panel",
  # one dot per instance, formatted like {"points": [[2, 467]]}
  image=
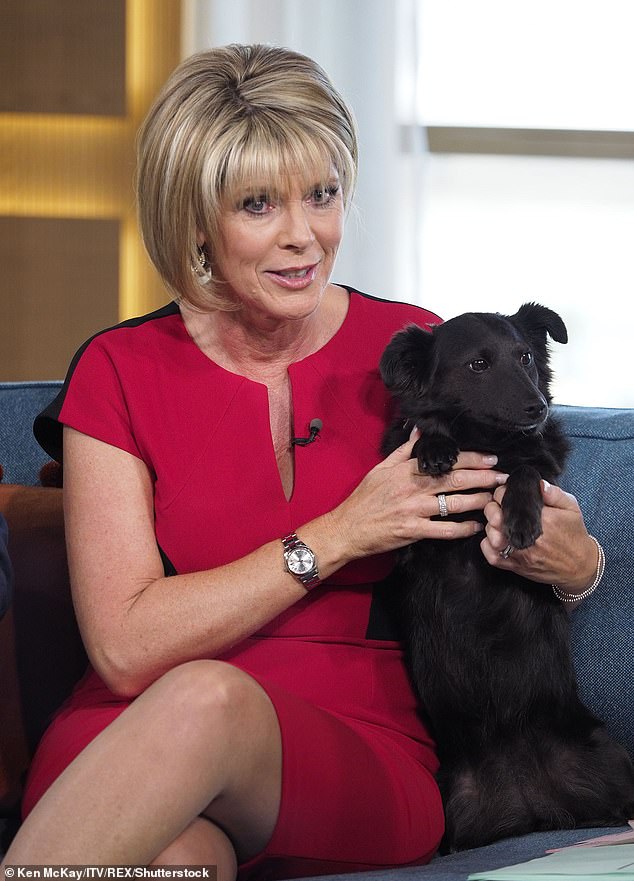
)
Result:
{"points": [[76, 79], [58, 286], [65, 166], [62, 56]]}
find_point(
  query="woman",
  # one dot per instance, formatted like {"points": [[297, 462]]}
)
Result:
{"points": [[248, 704]]}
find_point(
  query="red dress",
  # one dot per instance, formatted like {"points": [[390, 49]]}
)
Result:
{"points": [[358, 764]]}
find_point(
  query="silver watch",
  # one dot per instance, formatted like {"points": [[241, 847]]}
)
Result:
{"points": [[300, 561]]}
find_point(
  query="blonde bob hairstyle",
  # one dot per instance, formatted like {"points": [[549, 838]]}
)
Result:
{"points": [[229, 119]]}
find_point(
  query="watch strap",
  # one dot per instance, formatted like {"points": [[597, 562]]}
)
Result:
{"points": [[309, 579]]}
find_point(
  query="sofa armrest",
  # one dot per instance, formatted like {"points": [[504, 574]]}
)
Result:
{"points": [[599, 474]]}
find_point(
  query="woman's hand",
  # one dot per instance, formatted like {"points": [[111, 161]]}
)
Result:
{"points": [[393, 505], [564, 554]]}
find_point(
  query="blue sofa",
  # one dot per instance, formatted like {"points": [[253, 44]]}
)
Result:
{"points": [[41, 654]]}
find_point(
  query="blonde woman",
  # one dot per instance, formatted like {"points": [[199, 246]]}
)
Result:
{"points": [[230, 522]]}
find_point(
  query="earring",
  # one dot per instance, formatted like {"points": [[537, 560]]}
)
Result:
{"points": [[202, 268]]}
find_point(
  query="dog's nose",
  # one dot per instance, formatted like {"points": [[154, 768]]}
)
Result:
{"points": [[537, 410]]}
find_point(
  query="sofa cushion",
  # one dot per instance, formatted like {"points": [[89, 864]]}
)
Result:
{"points": [[600, 476], [20, 454], [458, 866]]}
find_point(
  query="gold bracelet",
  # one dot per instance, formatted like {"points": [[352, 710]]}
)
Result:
{"points": [[566, 597]]}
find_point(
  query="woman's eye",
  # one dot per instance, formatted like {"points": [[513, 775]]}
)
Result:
{"points": [[478, 365], [257, 204], [324, 195], [526, 359]]}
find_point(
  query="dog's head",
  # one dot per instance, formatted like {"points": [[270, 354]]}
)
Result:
{"points": [[483, 366]]}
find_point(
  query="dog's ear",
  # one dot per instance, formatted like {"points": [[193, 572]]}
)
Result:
{"points": [[406, 363], [536, 321]]}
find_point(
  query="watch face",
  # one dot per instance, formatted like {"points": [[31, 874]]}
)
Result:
{"points": [[301, 561]]}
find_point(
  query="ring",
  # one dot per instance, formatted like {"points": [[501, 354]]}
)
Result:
{"points": [[506, 553], [442, 504]]}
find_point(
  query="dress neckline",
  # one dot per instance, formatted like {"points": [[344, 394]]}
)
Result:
{"points": [[335, 339]]}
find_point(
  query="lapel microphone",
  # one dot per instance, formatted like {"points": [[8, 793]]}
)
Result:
{"points": [[314, 429]]}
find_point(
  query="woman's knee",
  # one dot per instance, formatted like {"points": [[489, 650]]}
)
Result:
{"points": [[208, 695], [231, 730]]}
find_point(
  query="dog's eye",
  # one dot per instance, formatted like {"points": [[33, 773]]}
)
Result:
{"points": [[478, 365], [526, 360]]}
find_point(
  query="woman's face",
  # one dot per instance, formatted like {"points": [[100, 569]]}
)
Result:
{"points": [[275, 253]]}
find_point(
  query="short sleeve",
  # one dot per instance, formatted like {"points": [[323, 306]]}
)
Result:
{"points": [[92, 401]]}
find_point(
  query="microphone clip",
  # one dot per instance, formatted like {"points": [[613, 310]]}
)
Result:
{"points": [[314, 429]]}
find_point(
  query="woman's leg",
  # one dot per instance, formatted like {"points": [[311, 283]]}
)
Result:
{"points": [[202, 739], [201, 844]]}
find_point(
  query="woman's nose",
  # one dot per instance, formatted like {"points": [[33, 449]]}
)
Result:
{"points": [[295, 230]]}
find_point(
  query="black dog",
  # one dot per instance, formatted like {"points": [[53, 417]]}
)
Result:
{"points": [[489, 650]]}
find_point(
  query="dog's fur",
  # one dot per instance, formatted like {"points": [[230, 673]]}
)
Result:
{"points": [[489, 650]]}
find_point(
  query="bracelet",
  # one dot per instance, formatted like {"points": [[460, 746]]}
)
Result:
{"points": [[565, 597]]}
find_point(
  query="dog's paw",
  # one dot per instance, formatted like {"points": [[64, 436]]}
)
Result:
{"points": [[522, 520], [523, 532], [435, 454], [522, 507]]}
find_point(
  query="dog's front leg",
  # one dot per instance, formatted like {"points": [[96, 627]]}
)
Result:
{"points": [[435, 450], [522, 507]]}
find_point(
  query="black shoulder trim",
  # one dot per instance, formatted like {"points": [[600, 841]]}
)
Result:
{"points": [[46, 426], [387, 300]]}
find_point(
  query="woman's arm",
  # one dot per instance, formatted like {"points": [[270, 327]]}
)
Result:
{"points": [[137, 623]]}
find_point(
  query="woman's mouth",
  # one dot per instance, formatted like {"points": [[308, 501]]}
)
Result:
{"points": [[294, 278]]}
